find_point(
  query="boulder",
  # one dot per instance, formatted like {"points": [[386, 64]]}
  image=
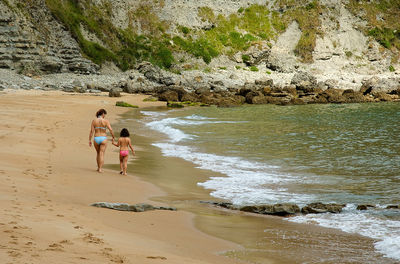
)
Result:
{"points": [[275, 209], [141, 207], [115, 92], [393, 207], [352, 96], [319, 208], [230, 101], [264, 82], [190, 97], [260, 99], [151, 72], [363, 207], [169, 96], [333, 96], [379, 85], [303, 79], [382, 96]]}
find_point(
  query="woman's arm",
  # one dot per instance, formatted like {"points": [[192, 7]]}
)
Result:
{"points": [[110, 129], [117, 145], [130, 145], [91, 133]]}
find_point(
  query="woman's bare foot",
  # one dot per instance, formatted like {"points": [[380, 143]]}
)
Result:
{"points": [[99, 170], [125, 173]]}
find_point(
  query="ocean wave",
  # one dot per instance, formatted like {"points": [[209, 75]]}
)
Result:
{"points": [[361, 222]]}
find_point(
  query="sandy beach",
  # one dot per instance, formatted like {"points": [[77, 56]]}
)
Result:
{"points": [[48, 180]]}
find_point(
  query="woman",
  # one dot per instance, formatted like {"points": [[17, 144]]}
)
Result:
{"points": [[99, 128]]}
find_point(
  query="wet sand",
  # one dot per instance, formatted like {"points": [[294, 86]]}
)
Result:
{"points": [[264, 239], [48, 179]]}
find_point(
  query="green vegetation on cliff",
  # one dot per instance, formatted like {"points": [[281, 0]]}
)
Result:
{"points": [[383, 19], [123, 47]]}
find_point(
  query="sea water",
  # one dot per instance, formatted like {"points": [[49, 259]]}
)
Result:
{"points": [[346, 154]]}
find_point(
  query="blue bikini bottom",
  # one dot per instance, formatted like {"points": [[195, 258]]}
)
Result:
{"points": [[98, 140]]}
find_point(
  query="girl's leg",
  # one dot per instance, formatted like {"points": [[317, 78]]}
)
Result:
{"points": [[125, 164], [121, 164], [97, 147], [103, 147]]}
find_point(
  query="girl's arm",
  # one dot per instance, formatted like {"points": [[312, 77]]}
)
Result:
{"points": [[91, 133], [130, 145], [117, 144]]}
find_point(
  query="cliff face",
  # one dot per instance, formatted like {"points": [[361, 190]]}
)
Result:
{"points": [[319, 36]]}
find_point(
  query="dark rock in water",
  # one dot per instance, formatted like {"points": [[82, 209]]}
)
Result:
{"points": [[382, 96], [276, 209], [226, 205], [333, 96], [320, 208], [393, 207], [142, 207], [363, 207], [114, 92], [286, 209]]}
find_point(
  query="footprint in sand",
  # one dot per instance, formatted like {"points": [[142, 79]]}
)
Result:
{"points": [[55, 247], [157, 257], [14, 254], [90, 238]]}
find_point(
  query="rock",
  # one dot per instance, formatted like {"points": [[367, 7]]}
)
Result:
{"points": [[168, 81], [393, 207], [382, 96], [151, 72], [264, 82], [114, 92], [250, 95], [319, 208], [333, 96], [142, 207], [363, 207], [103, 88], [260, 99], [226, 205], [125, 104], [68, 88], [256, 54], [352, 96], [235, 100], [94, 91], [379, 85], [190, 97], [276, 209], [169, 96], [2, 87], [302, 79]]}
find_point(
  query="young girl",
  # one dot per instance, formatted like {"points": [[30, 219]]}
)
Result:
{"points": [[124, 143]]}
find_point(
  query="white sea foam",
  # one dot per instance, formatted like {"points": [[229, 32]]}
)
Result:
{"points": [[364, 223]]}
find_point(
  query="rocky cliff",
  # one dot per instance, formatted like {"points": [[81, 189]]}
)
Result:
{"points": [[218, 46], [278, 35]]}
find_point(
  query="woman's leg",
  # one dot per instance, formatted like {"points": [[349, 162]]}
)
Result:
{"points": [[97, 147], [103, 147], [125, 164]]}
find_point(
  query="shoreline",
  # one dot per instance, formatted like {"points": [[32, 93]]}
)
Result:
{"points": [[248, 227], [48, 181]]}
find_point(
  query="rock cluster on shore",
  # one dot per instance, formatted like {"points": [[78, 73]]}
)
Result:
{"points": [[287, 209]]}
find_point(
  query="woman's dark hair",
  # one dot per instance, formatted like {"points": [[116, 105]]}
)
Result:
{"points": [[124, 133], [101, 112]]}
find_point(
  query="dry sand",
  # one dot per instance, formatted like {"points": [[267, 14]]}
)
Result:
{"points": [[48, 180]]}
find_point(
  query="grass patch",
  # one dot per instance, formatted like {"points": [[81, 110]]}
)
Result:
{"points": [[150, 99], [383, 20], [348, 54], [123, 47], [125, 104], [268, 72], [391, 68], [254, 69]]}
